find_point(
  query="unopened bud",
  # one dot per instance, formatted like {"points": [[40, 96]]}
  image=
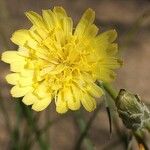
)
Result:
{"points": [[133, 112]]}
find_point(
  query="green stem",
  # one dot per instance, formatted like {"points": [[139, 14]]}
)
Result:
{"points": [[84, 127], [31, 121], [113, 93], [15, 135], [47, 120], [110, 90], [48, 125], [140, 139], [5, 113]]}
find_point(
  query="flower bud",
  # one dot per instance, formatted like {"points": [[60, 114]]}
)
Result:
{"points": [[133, 112]]}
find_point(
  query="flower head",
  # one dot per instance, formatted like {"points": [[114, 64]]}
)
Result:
{"points": [[54, 61]]}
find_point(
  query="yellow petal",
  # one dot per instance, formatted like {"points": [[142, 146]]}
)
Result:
{"points": [[112, 49], [59, 11], [110, 62], [72, 103], [67, 26], [87, 19], [60, 14], [41, 104], [76, 92], [94, 90], [22, 51], [11, 56], [61, 104], [88, 77], [29, 99], [43, 33], [49, 18], [91, 31], [24, 81], [105, 75], [88, 102], [101, 44], [35, 36], [27, 73], [20, 37], [17, 66], [18, 91], [46, 70], [13, 78], [42, 90], [111, 35], [35, 18], [58, 69]]}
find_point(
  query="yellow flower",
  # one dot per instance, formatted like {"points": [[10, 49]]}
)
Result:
{"points": [[54, 61]]}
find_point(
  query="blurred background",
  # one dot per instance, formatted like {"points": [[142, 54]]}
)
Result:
{"points": [[131, 19]]}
